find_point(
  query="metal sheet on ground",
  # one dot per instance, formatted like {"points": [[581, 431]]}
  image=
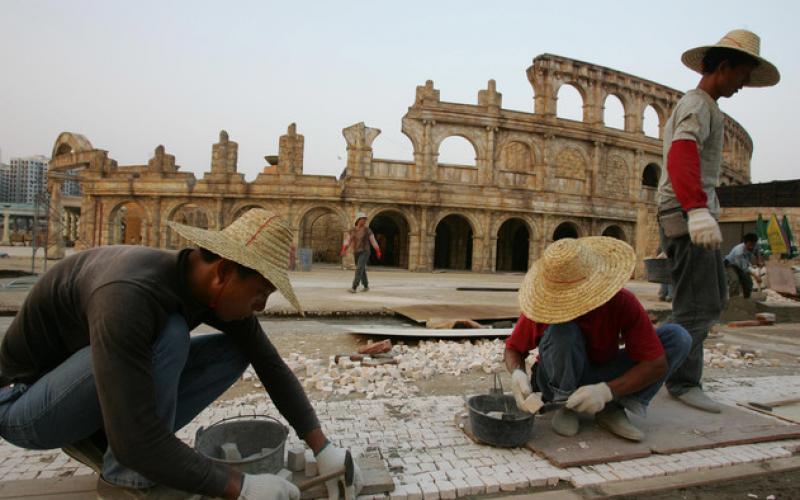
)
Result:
{"points": [[477, 312], [453, 333]]}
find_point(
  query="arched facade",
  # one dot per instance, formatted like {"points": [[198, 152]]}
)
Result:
{"points": [[531, 167]]}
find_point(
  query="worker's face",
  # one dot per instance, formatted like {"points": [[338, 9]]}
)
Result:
{"points": [[749, 245], [360, 222], [733, 78], [242, 296]]}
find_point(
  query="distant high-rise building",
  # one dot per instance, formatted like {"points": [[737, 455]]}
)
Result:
{"points": [[5, 173], [27, 177]]}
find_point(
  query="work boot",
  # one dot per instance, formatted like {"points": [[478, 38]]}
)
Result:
{"points": [[351, 290], [614, 419], [366, 289], [695, 397], [565, 422]]}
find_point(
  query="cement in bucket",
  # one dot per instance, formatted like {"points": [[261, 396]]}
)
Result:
{"points": [[260, 440]]}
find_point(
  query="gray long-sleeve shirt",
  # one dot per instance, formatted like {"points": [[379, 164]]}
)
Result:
{"points": [[116, 299]]}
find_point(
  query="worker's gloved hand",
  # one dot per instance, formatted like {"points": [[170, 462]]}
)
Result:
{"points": [[590, 398], [344, 250], [379, 254], [267, 486], [520, 386], [331, 459], [703, 229]]}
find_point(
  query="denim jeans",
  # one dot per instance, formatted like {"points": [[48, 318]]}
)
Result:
{"points": [[564, 364], [62, 408], [361, 259], [699, 295]]}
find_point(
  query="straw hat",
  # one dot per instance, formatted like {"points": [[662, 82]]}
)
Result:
{"points": [[575, 276], [359, 216], [764, 75], [259, 239]]}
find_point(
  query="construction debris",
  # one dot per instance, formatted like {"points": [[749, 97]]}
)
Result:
{"points": [[376, 347], [735, 356]]}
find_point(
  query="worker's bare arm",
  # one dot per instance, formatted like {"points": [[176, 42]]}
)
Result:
{"points": [[513, 360], [639, 376]]}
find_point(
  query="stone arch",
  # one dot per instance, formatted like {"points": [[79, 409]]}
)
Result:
{"points": [[651, 121], [614, 231], [392, 232], [455, 137], [514, 238], [69, 142], [190, 214], [517, 156], [128, 223], [320, 228], [454, 233], [525, 139], [651, 175], [238, 209], [614, 119], [566, 229], [566, 105], [571, 163]]}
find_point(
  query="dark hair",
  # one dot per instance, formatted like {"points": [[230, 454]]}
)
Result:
{"points": [[750, 238], [715, 55], [209, 256]]}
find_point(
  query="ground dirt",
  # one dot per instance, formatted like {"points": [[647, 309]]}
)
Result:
{"points": [[783, 485]]}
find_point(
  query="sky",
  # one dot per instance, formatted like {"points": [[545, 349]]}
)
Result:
{"points": [[133, 75]]}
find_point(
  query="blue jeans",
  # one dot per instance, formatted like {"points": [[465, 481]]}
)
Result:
{"points": [[361, 259], [62, 408], [564, 365]]}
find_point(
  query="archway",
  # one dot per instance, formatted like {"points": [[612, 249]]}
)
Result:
{"points": [[614, 231], [321, 230], [188, 214], [651, 175], [456, 150], [651, 123], [565, 230], [453, 246], [614, 112], [513, 240], [127, 225], [569, 103], [391, 233]]}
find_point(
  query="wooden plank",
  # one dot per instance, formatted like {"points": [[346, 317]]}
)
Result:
{"points": [[72, 487], [452, 333], [421, 313]]}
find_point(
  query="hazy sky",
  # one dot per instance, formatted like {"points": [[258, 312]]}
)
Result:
{"points": [[132, 75]]}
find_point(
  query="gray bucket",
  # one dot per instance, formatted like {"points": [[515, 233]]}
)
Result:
{"points": [[260, 440]]}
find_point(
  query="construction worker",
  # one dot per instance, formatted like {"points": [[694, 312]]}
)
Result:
{"points": [[99, 360], [360, 237], [688, 207], [739, 259]]}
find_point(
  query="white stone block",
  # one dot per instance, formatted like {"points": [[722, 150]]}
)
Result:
{"points": [[296, 459]]}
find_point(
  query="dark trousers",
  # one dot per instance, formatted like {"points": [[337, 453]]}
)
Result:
{"points": [[361, 259], [699, 295], [745, 280]]}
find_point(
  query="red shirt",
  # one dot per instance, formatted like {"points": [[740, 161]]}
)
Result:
{"points": [[620, 320]]}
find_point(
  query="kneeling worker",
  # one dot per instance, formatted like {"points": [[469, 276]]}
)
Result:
{"points": [[99, 360], [576, 311]]}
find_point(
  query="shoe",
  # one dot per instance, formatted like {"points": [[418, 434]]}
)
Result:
{"points": [[696, 398], [87, 453], [366, 289], [614, 419], [351, 290], [565, 422]]}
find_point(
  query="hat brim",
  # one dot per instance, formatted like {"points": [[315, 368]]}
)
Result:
{"points": [[220, 244], [547, 302], [763, 75]]}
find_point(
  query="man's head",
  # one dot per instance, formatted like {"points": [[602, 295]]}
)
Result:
{"points": [[732, 63], [361, 219], [251, 255], [750, 240]]}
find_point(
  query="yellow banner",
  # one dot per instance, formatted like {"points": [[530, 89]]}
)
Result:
{"points": [[776, 241]]}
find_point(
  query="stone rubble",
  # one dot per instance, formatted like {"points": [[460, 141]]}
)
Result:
{"points": [[722, 355]]}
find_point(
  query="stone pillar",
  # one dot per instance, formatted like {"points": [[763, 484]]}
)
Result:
{"points": [[6, 230], [428, 159], [55, 238]]}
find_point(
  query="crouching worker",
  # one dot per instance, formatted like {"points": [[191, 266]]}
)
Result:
{"points": [[576, 311], [99, 360]]}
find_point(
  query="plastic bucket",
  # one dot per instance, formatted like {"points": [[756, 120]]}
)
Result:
{"points": [[513, 429], [260, 440]]}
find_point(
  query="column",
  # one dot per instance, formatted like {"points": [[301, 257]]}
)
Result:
{"points": [[6, 223], [55, 239]]}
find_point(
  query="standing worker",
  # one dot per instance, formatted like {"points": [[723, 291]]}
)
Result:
{"points": [[99, 360], [688, 208], [361, 237]]}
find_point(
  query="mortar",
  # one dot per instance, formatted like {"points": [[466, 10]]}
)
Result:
{"points": [[260, 439]]}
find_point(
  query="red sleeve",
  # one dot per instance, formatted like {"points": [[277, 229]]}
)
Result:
{"points": [[683, 166], [638, 333], [525, 336]]}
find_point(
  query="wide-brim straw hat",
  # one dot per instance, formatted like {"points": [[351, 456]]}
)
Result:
{"points": [[575, 276], [763, 75], [260, 240]]}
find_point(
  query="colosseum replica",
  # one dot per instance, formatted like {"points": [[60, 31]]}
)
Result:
{"points": [[536, 178]]}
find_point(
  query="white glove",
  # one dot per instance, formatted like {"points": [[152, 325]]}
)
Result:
{"points": [[331, 459], [520, 386], [267, 486], [703, 229], [590, 398]]}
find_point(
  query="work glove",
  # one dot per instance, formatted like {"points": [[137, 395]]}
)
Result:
{"points": [[520, 386], [703, 229], [379, 254], [331, 459], [343, 251], [590, 398], [267, 487]]}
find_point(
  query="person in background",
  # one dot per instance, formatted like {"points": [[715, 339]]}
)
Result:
{"points": [[740, 257], [360, 238]]}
